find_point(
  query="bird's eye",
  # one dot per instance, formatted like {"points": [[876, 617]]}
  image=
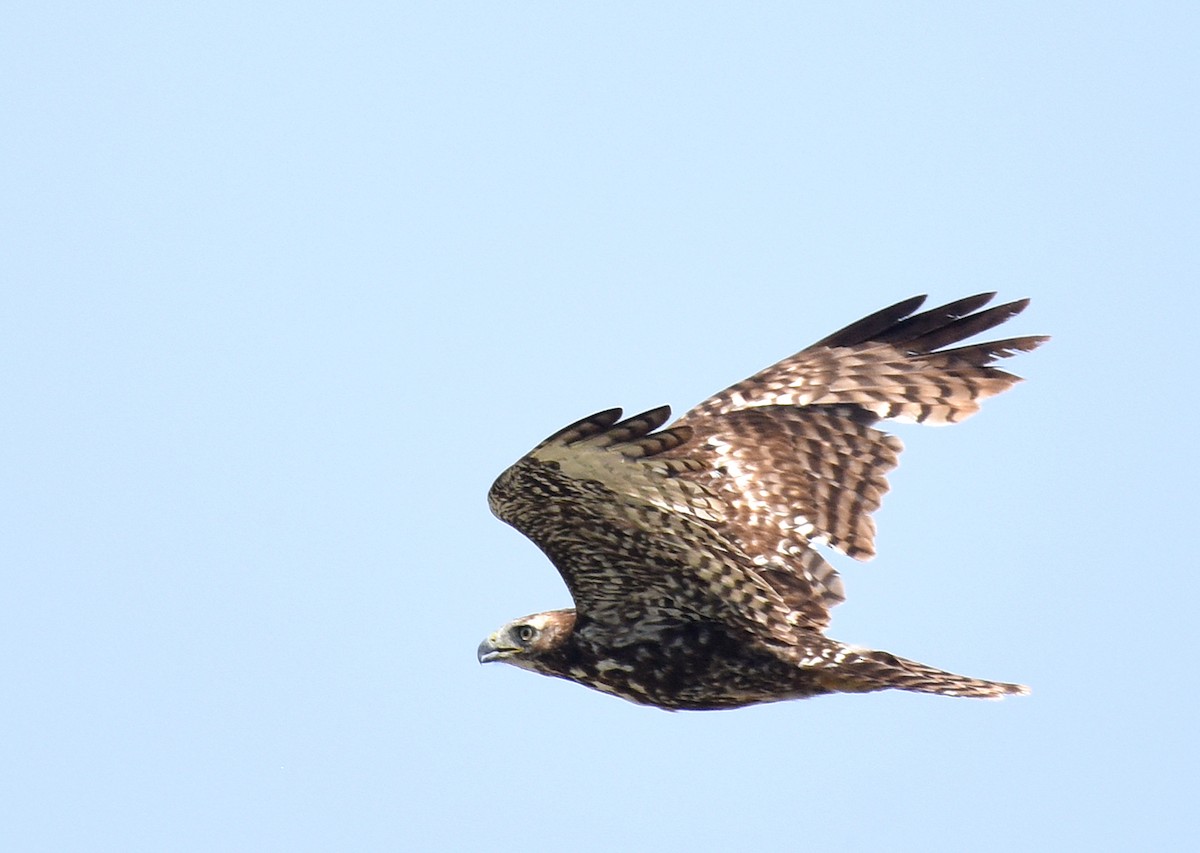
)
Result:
{"points": [[525, 633]]}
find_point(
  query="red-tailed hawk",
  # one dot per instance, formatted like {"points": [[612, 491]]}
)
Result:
{"points": [[691, 552]]}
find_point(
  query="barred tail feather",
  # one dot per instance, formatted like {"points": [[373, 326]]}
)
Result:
{"points": [[872, 670]]}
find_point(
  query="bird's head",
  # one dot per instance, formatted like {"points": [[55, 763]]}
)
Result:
{"points": [[523, 642]]}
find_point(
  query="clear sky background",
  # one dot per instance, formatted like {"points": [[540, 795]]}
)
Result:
{"points": [[286, 287]]}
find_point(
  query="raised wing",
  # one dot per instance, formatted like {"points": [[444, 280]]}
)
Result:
{"points": [[638, 544], [891, 364], [792, 455]]}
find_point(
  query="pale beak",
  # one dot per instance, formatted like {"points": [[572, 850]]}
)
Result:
{"points": [[488, 652]]}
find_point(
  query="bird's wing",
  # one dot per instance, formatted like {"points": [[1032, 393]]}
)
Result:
{"points": [[638, 544], [791, 454]]}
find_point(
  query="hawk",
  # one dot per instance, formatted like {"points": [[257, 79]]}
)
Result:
{"points": [[693, 552]]}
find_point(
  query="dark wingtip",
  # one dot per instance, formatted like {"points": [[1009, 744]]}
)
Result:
{"points": [[583, 428], [637, 426], [861, 331], [965, 326]]}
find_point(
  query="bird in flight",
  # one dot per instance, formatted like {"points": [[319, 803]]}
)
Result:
{"points": [[693, 552]]}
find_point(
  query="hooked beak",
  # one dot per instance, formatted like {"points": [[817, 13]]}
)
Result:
{"points": [[490, 650]]}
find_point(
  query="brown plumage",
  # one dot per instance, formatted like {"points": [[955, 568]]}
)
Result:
{"points": [[691, 552]]}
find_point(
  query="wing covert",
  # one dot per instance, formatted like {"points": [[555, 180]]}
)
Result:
{"points": [[636, 542]]}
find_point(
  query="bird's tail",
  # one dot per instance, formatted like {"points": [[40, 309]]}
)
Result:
{"points": [[865, 671]]}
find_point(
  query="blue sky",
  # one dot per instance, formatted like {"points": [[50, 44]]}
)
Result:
{"points": [[287, 286]]}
